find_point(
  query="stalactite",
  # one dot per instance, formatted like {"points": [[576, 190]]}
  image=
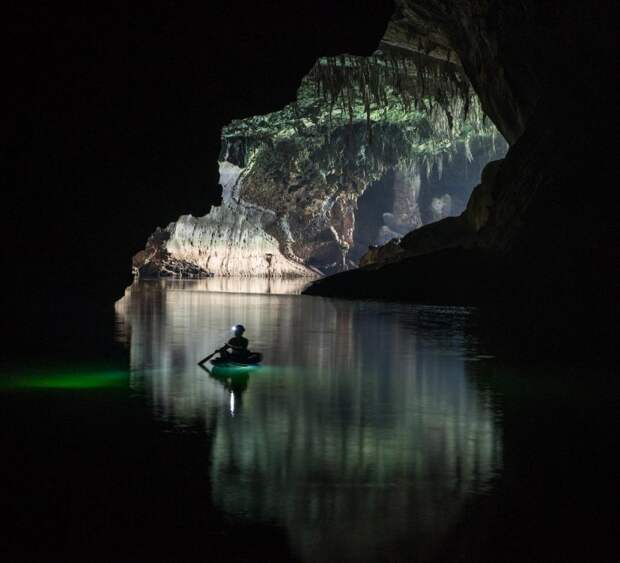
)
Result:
{"points": [[413, 80], [385, 110]]}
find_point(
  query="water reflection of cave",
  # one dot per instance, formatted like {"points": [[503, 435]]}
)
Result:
{"points": [[361, 429], [406, 198]]}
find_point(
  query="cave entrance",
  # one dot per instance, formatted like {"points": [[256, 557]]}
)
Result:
{"points": [[354, 162]]}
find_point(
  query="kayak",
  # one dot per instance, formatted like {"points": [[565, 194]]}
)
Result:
{"points": [[231, 362]]}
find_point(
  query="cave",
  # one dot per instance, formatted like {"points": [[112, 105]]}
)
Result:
{"points": [[540, 73], [294, 180], [404, 205]]}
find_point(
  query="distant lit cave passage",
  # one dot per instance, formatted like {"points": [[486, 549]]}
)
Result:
{"points": [[404, 199], [372, 149]]}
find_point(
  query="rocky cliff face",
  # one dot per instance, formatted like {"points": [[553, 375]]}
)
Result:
{"points": [[510, 54], [534, 241], [499, 47], [232, 240], [307, 189]]}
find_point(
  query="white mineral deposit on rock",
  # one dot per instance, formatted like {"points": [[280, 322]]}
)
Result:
{"points": [[231, 240], [305, 193]]}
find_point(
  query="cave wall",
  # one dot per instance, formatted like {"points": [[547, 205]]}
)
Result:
{"points": [[232, 240], [292, 207], [115, 120], [559, 108], [498, 45], [537, 246], [276, 221], [112, 125], [423, 195]]}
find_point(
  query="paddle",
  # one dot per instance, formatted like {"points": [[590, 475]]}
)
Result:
{"points": [[205, 360]]}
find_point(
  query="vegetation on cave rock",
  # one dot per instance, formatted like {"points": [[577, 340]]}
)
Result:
{"points": [[354, 119], [360, 115], [356, 122]]}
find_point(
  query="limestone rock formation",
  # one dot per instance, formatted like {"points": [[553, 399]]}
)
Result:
{"points": [[473, 36], [231, 241], [306, 190], [449, 232], [534, 244]]}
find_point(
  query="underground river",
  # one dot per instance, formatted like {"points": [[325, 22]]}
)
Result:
{"points": [[373, 432]]}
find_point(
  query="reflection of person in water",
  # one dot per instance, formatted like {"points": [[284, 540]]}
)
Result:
{"points": [[238, 345], [236, 384]]}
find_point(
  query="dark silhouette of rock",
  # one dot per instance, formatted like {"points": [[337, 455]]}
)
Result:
{"points": [[537, 244]]}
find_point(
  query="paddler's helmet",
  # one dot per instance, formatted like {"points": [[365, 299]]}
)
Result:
{"points": [[238, 330]]}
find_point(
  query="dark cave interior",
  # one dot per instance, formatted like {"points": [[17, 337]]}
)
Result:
{"points": [[115, 126], [118, 115]]}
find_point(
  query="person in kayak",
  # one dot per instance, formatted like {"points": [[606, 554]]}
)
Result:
{"points": [[238, 345], [234, 351]]}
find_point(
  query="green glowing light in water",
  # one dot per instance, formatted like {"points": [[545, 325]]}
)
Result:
{"points": [[66, 380]]}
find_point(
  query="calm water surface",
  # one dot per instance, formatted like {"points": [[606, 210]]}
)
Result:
{"points": [[358, 432], [373, 432]]}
